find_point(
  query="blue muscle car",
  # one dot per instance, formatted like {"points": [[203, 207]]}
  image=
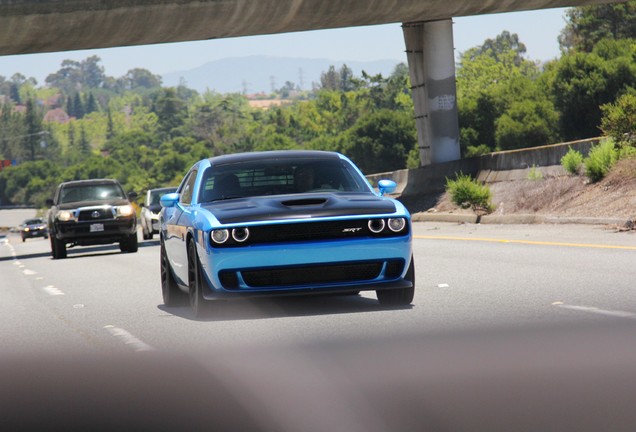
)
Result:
{"points": [[283, 223]]}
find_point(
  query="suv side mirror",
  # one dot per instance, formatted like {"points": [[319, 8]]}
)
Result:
{"points": [[49, 202], [132, 195]]}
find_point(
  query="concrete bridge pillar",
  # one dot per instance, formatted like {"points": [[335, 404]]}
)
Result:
{"points": [[431, 58]]}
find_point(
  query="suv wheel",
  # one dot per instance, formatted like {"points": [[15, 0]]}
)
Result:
{"points": [[58, 248], [129, 244]]}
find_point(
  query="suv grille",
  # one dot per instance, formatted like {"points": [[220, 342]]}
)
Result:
{"points": [[92, 214]]}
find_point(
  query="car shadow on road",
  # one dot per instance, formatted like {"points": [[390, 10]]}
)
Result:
{"points": [[282, 307]]}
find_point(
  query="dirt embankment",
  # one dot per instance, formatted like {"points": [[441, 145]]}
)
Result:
{"points": [[612, 197]]}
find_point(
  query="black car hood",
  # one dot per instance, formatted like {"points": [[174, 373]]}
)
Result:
{"points": [[97, 203], [283, 207]]}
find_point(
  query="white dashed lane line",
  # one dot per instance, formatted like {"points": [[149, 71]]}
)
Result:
{"points": [[129, 339], [50, 289], [595, 310]]}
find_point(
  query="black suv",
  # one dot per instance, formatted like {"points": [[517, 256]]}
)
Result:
{"points": [[91, 212]]}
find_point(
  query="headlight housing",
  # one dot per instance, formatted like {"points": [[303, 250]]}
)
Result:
{"points": [[396, 224], [65, 216], [219, 236], [124, 211]]}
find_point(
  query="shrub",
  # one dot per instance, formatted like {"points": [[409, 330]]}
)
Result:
{"points": [[468, 193], [572, 161], [619, 119], [534, 173], [600, 160]]}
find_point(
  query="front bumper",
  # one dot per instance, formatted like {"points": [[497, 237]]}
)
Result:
{"points": [[307, 267], [44, 232], [81, 233]]}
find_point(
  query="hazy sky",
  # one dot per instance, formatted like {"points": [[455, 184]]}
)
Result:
{"points": [[538, 30]]}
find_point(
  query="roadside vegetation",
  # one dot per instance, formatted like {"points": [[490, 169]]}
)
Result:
{"points": [[81, 123], [466, 192]]}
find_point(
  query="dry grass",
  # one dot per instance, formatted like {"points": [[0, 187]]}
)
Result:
{"points": [[612, 197]]}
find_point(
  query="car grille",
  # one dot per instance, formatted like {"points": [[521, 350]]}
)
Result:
{"points": [[310, 231], [92, 214], [308, 275]]}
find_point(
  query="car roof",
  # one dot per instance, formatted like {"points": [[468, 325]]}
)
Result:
{"points": [[274, 154], [163, 188], [88, 182]]}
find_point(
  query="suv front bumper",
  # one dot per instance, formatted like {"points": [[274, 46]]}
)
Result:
{"points": [[96, 232]]}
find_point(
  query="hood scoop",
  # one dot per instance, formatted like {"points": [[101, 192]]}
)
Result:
{"points": [[304, 202]]}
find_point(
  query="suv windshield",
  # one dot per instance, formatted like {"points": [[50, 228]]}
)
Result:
{"points": [[90, 193]]}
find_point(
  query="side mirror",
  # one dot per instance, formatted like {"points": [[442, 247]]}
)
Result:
{"points": [[49, 202], [386, 186], [169, 200], [132, 195]]}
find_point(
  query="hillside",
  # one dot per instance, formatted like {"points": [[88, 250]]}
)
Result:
{"points": [[572, 196]]}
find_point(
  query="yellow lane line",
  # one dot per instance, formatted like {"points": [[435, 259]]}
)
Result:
{"points": [[529, 242]]}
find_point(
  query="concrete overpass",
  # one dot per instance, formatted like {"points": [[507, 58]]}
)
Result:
{"points": [[37, 26]]}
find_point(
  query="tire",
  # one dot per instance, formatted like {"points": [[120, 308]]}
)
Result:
{"points": [[402, 296], [195, 280], [146, 235], [172, 295], [58, 248], [130, 244]]}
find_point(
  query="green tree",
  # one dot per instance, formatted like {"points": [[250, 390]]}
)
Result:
{"points": [[587, 25], [527, 123], [500, 47], [381, 141], [33, 122], [619, 119], [141, 78], [582, 82], [171, 110]]}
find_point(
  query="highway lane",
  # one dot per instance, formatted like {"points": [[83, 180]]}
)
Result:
{"points": [[468, 277]]}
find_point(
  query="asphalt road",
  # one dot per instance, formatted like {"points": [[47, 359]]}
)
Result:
{"points": [[512, 328], [467, 277]]}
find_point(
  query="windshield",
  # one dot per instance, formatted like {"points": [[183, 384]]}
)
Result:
{"points": [[91, 193], [33, 221], [155, 195], [280, 176]]}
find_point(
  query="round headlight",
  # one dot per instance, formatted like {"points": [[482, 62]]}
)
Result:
{"points": [[220, 236], [240, 234], [397, 224], [376, 225], [65, 216]]}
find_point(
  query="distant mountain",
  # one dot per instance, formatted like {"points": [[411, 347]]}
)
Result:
{"points": [[256, 74]]}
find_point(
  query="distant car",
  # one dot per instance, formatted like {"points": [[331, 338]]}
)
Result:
{"points": [[91, 212], [283, 223], [33, 228], [150, 211]]}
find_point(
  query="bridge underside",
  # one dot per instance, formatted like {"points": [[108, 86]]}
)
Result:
{"points": [[35, 26]]}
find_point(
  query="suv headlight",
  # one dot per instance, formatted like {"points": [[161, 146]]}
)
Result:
{"points": [[65, 215], [124, 211]]}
